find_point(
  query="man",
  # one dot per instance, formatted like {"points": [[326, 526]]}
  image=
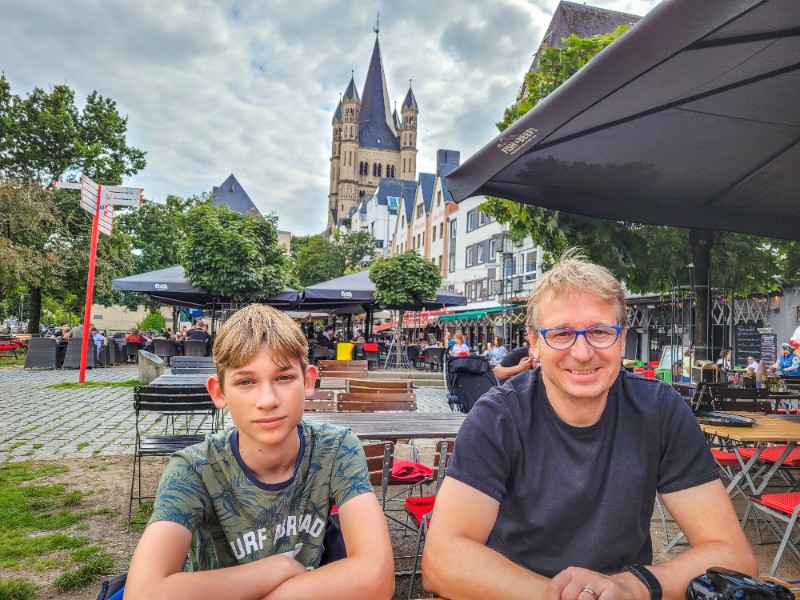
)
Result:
{"points": [[788, 363], [75, 332], [325, 338], [552, 483], [752, 363], [517, 361]]}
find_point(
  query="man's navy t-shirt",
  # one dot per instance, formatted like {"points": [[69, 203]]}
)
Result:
{"points": [[579, 496]]}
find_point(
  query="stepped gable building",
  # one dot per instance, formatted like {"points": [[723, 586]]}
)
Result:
{"points": [[370, 141], [231, 193]]}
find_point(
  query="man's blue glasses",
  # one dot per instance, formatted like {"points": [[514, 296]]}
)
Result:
{"points": [[563, 338]]}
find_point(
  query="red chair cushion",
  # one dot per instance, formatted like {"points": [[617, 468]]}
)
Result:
{"points": [[782, 502], [370, 347], [419, 506], [773, 453], [410, 472], [726, 459]]}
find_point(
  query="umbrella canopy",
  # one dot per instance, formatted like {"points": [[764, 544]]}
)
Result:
{"points": [[170, 286], [690, 119], [358, 289]]}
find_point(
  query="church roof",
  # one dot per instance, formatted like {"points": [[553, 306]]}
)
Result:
{"points": [[351, 93], [375, 123], [230, 192], [410, 101], [426, 181], [409, 194], [337, 116], [398, 125]]}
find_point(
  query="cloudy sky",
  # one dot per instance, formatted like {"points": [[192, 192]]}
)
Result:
{"points": [[213, 87]]}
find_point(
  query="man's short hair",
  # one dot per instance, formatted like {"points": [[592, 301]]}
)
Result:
{"points": [[573, 273], [254, 327], [330, 328]]}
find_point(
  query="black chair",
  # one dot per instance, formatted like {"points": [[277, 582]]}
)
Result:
{"points": [[132, 350], [372, 354], [164, 349], [358, 352], [318, 353], [169, 401], [434, 356], [42, 354], [72, 358], [194, 348]]}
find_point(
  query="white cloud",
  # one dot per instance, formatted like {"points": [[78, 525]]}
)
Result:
{"points": [[212, 88]]}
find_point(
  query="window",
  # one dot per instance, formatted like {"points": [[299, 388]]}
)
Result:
{"points": [[441, 229], [509, 268], [481, 219], [470, 289], [479, 288], [481, 257], [440, 262], [492, 250], [452, 261], [470, 255], [433, 235], [390, 170], [453, 229], [529, 265], [471, 220], [438, 198]]}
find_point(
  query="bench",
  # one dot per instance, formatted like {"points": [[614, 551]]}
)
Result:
{"points": [[351, 402], [320, 400], [366, 386], [193, 365], [334, 373]]}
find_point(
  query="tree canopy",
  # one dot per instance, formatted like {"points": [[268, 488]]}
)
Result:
{"points": [[649, 258], [320, 259], [404, 280]]}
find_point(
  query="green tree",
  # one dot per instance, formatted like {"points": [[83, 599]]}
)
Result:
{"points": [[648, 258], [357, 249], [320, 259], [43, 138], [233, 254], [402, 282]]}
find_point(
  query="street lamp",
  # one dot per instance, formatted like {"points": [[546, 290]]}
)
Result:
{"points": [[21, 305]]}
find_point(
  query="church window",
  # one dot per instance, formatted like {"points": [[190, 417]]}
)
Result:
{"points": [[389, 171]]}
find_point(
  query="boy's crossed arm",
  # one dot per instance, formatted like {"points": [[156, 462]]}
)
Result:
{"points": [[157, 566]]}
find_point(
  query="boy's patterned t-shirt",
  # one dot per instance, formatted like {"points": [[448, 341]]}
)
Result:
{"points": [[236, 519]]}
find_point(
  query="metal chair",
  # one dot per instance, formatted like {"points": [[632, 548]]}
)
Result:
{"points": [[164, 349], [434, 356], [318, 353], [72, 358], [42, 354], [132, 350]]}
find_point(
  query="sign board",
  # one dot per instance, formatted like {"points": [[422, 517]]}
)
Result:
{"points": [[88, 195], [122, 196], [105, 219], [748, 342], [769, 348]]}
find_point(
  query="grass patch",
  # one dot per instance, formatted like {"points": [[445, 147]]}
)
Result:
{"points": [[37, 446], [17, 589], [99, 563], [11, 362], [82, 445], [71, 385]]}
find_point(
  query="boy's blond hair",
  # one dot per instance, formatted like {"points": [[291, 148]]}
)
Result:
{"points": [[254, 327], [572, 273]]}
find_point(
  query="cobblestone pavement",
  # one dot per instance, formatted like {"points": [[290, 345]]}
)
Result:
{"points": [[42, 423]]}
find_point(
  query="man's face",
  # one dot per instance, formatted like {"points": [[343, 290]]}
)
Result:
{"points": [[750, 360], [266, 401], [580, 374]]}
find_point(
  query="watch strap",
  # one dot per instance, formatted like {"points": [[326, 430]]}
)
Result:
{"points": [[646, 576]]}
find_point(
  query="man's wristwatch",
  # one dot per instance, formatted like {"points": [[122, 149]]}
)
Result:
{"points": [[650, 581]]}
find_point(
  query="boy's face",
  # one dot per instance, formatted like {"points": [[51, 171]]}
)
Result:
{"points": [[266, 401]]}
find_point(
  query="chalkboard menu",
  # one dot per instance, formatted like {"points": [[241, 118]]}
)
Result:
{"points": [[769, 348], [748, 342]]}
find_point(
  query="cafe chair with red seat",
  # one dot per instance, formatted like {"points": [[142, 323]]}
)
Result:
{"points": [[780, 512]]}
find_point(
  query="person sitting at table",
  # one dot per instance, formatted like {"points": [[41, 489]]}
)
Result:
{"points": [[136, 336], [788, 363], [246, 510], [99, 340], [75, 332], [326, 338], [724, 364], [460, 346], [517, 361], [61, 331], [552, 483]]}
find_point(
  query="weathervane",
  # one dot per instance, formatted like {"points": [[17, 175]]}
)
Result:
{"points": [[377, 28]]}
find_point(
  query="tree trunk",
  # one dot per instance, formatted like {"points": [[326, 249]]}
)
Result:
{"points": [[399, 338], [35, 311], [701, 241]]}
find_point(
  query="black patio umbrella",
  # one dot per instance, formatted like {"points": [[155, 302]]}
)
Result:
{"points": [[690, 119], [170, 286], [357, 288]]}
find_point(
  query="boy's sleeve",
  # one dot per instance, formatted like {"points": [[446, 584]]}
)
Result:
{"points": [[181, 497], [349, 476]]}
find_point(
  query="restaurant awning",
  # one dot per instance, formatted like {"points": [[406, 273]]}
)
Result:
{"points": [[690, 119], [474, 314]]}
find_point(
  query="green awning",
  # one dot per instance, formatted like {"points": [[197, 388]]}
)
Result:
{"points": [[474, 314]]}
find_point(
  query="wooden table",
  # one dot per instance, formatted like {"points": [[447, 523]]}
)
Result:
{"points": [[168, 379], [768, 429], [393, 425]]}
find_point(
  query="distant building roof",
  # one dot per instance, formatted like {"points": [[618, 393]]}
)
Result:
{"points": [[375, 123], [442, 170], [337, 116], [231, 193], [582, 20], [426, 181], [398, 125], [409, 194], [389, 187]]}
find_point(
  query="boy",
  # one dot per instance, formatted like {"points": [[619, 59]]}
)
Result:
{"points": [[248, 506]]}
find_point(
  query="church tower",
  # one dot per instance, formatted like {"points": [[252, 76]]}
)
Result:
{"points": [[370, 142]]}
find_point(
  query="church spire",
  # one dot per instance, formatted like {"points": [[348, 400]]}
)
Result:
{"points": [[410, 101], [351, 93], [376, 125]]}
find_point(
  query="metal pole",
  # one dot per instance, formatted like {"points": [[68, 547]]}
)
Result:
{"points": [[87, 312]]}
